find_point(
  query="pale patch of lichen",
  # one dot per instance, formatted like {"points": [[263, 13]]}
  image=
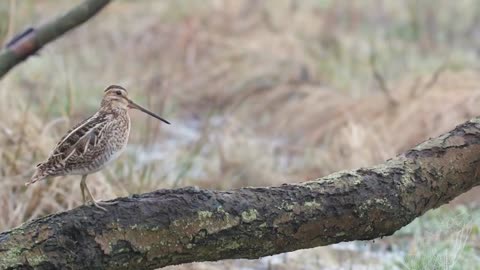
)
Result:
{"points": [[222, 221], [249, 215], [376, 203], [204, 215], [14, 252], [11, 258], [312, 204], [36, 259], [157, 241], [15, 256], [231, 245]]}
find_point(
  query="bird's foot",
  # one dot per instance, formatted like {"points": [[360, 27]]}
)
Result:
{"points": [[96, 204], [99, 207], [99, 204]]}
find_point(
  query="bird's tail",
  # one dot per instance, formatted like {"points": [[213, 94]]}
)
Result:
{"points": [[40, 174]]}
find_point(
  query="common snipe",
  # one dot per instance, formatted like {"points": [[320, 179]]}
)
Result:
{"points": [[94, 142]]}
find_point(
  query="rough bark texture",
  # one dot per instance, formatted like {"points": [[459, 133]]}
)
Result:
{"points": [[33, 39], [168, 227]]}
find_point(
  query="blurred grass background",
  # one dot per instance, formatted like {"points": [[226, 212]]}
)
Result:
{"points": [[259, 93]]}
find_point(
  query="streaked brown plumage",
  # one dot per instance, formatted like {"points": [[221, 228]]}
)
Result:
{"points": [[94, 142]]}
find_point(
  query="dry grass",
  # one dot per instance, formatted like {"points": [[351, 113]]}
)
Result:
{"points": [[259, 92]]}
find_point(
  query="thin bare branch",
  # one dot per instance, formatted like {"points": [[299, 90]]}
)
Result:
{"points": [[33, 39]]}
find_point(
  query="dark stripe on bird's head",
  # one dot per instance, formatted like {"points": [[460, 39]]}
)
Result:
{"points": [[114, 86]]}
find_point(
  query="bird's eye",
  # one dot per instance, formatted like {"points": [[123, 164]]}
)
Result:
{"points": [[118, 93]]}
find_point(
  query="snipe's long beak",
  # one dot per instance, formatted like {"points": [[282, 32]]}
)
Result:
{"points": [[133, 105]]}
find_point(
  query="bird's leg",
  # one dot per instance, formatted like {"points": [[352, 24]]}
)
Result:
{"points": [[82, 187], [84, 177]]}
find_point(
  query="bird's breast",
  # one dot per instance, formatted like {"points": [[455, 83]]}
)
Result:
{"points": [[117, 138]]}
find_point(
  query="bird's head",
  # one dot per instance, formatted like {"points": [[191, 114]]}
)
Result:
{"points": [[116, 97]]}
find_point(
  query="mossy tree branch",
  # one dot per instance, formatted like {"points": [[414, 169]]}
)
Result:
{"points": [[169, 227], [33, 39]]}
